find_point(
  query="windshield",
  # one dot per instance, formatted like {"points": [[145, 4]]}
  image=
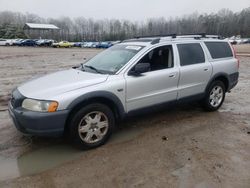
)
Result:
{"points": [[113, 59]]}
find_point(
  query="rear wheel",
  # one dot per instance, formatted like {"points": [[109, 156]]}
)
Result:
{"points": [[215, 96], [91, 126]]}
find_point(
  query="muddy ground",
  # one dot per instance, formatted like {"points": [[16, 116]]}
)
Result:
{"points": [[180, 146]]}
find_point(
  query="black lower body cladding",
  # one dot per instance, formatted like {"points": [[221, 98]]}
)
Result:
{"points": [[233, 80]]}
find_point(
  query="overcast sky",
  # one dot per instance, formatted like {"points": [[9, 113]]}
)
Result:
{"points": [[123, 9]]}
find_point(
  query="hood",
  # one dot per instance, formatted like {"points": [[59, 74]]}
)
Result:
{"points": [[60, 82]]}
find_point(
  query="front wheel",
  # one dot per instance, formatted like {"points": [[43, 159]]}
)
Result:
{"points": [[91, 126], [215, 96]]}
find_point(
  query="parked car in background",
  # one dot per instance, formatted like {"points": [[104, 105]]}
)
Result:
{"points": [[35, 40], [78, 44], [95, 44], [98, 45], [6, 42], [40, 42], [246, 41], [104, 45], [84, 44], [27, 42], [16, 42], [243, 41], [3, 42], [91, 44], [238, 40], [45, 42], [10, 42], [49, 42], [63, 44]]}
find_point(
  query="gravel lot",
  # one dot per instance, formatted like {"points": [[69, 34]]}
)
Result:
{"points": [[178, 147]]}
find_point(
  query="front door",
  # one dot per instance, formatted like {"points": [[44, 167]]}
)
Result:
{"points": [[155, 86]]}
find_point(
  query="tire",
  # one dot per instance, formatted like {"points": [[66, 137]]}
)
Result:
{"points": [[91, 126], [215, 96]]}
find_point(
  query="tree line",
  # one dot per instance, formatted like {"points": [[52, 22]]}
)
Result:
{"points": [[225, 23]]}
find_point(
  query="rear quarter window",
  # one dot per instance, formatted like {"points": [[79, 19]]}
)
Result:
{"points": [[219, 49], [190, 54]]}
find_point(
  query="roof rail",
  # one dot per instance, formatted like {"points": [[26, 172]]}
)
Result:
{"points": [[154, 36], [199, 36], [154, 39], [151, 40], [139, 40]]}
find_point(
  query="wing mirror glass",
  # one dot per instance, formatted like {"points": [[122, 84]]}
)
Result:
{"points": [[140, 68]]}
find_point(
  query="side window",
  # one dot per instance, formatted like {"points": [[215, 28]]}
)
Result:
{"points": [[190, 54], [159, 58], [219, 49]]}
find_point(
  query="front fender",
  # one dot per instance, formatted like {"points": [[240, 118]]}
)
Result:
{"points": [[99, 94]]}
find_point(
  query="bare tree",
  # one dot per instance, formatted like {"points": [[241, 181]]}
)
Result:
{"points": [[224, 22]]}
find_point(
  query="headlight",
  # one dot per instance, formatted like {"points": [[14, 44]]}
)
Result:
{"points": [[40, 106]]}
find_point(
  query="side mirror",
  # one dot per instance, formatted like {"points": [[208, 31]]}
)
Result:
{"points": [[140, 68]]}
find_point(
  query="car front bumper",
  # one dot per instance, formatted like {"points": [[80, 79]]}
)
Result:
{"points": [[38, 123]]}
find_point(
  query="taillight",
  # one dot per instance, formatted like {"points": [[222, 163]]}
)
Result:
{"points": [[234, 54]]}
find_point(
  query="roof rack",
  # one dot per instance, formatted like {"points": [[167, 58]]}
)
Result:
{"points": [[154, 39], [154, 36]]}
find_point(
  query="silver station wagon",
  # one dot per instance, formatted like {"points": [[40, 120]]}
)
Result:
{"points": [[87, 101]]}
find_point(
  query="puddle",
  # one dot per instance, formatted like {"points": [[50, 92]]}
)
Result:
{"points": [[37, 161], [9, 169], [49, 157]]}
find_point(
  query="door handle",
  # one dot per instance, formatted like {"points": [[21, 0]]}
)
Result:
{"points": [[206, 69], [171, 75]]}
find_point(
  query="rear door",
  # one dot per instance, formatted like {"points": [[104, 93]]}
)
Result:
{"points": [[195, 69]]}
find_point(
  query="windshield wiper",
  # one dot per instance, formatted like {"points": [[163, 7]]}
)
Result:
{"points": [[93, 68]]}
